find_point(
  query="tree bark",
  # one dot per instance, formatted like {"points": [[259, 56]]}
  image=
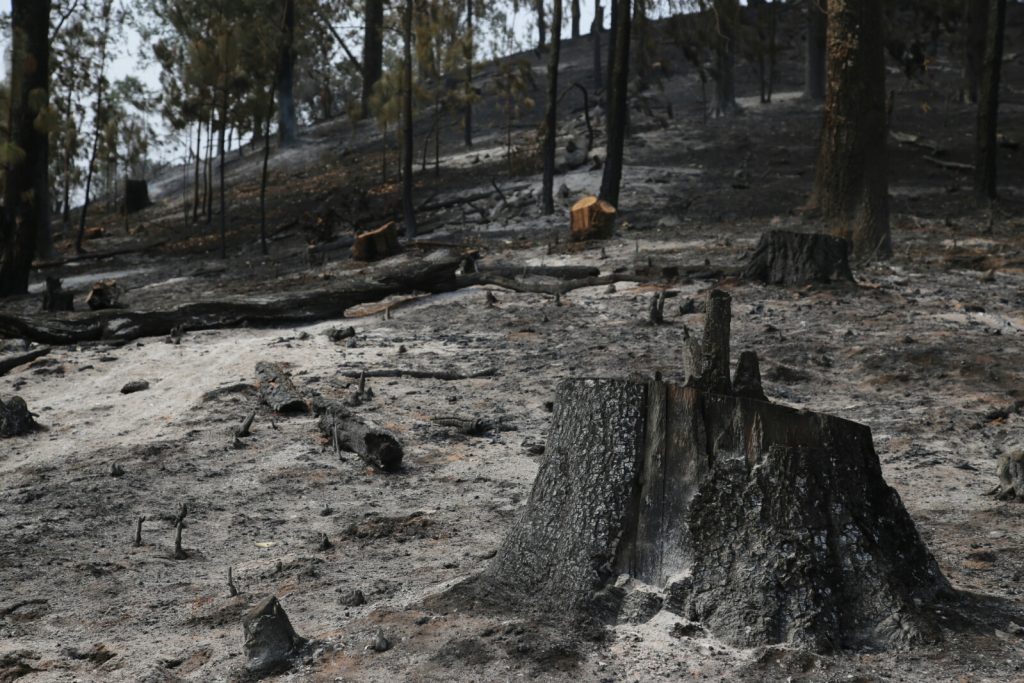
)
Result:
{"points": [[728, 17], [975, 31], [408, 208], [373, 50], [542, 26], [595, 38], [264, 174], [220, 148], [794, 259], [23, 193], [706, 496], [814, 65], [277, 390], [551, 111], [617, 109], [986, 149], [851, 178], [287, 126], [199, 158], [574, 8], [346, 431], [468, 56]]}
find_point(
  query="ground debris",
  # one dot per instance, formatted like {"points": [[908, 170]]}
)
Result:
{"points": [[15, 418]]}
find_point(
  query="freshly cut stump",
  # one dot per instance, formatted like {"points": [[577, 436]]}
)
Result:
{"points": [[765, 523], [591, 219], [792, 259], [378, 244]]}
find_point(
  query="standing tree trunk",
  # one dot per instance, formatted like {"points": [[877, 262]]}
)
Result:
{"points": [[30, 83], [814, 66], [287, 127], [542, 26], [975, 30], [728, 15], [617, 106], [468, 56], [985, 148], [408, 209], [551, 111], [220, 148], [641, 36], [373, 50], [574, 8], [199, 157], [264, 174], [595, 39], [851, 179]]}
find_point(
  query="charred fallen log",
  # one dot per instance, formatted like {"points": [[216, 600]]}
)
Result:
{"points": [[765, 523], [347, 431], [277, 390], [792, 259]]}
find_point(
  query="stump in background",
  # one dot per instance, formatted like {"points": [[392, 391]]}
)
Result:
{"points": [[792, 259], [765, 523], [136, 195], [103, 294], [378, 244], [591, 218], [55, 298]]}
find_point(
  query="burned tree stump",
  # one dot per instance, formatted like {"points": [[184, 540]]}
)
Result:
{"points": [[347, 431], [15, 417], [591, 219], [103, 294], [55, 298], [765, 523], [270, 641], [277, 390], [136, 195], [792, 259], [374, 245], [1010, 471]]}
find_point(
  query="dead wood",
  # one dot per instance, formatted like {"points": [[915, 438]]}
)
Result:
{"points": [[179, 552], [270, 641], [98, 255], [591, 218], [746, 382], [55, 298], [444, 375], [377, 244], [787, 258], [764, 523], [103, 294], [9, 362], [138, 531], [558, 272], [232, 589], [434, 271], [473, 426], [374, 445], [1010, 471], [948, 165], [243, 429], [15, 418], [277, 390]]}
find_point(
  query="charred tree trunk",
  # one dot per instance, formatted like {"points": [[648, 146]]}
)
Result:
{"points": [[199, 158], [851, 179], [617, 106], [728, 16], [765, 523], [595, 38], [574, 9], [373, 50], [408, 209], [794, 259], [542, 26], [975, 30], [21, 213], [986, 149], [814, 66], [264, 172], [220, 149], [287, 126], [551, 111], [468, 94]]}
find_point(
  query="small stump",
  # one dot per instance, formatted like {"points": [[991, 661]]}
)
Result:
{"points": [[15, 417], [378, 244], [793, 259], [591, 218], [103, 294], [55, 298], [764, 523], [270, 640]]}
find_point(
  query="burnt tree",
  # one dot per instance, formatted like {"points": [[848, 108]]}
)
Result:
{"points": [[551, 111], [985, 147], [408, 209], [26, 195], [814, 64], [287, 126], [787, 258], [851, 179], [766, 523], [727, 16], [373, 50], [975, 19], [618, 99]]}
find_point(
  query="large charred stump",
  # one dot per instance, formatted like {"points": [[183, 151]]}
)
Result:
{"points": [[767, 524], [136, 196], [793, 259]]}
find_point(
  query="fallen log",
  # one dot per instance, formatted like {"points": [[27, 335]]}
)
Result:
{"points": [[406, 273], [557, 272], [787, 258], [9, 362], [277, 390], [764, 523], [444, 375], [374, 445], [98, 255]]}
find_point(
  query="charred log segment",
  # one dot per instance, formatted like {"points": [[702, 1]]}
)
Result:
{"points": [[746, 383], [277, 390], [1010, 471], [270, 640], [15, 417], [347, 431], [11, 361], [767, 524], [591, 218], [374, 245], [103, 294], [794, 258], [715, 343]]}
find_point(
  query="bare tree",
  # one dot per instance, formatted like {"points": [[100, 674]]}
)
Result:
{"points": [[408, 210], [551, 110], [287, 127], [373, 50], [617, 101], [814, 67], [988, 105]]}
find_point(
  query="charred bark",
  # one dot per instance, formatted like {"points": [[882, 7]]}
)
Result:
{"points": [[618, 100], [814, 66], [287, 125], [373, 50], [985, 149], [408, 208], [765, 523], [551, 111], [346, 431], [277, 390], [851, 178], [794, 259]]}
